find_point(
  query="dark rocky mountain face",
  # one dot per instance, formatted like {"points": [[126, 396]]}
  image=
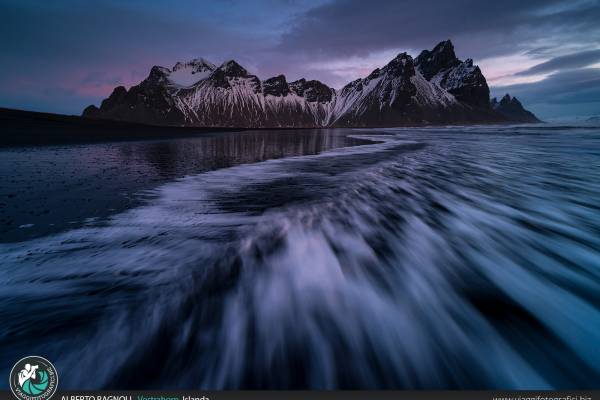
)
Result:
{"points": [[276, 86], [231, 72], [460, 78], [150, 102], [384, 98], [513, 110], [312, 91], [441, 58], [400, 94], [435, 87], [233, 69]]}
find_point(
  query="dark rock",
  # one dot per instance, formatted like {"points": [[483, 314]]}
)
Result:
{"points": [[467, 84], [91, 111], [384, 98], [434, 88], [401, 66], [233, 69], [197, 65], [276, 86], [228, 70], [157, 75], [462, 79], [442, 57], [116, 97], [312, 91], [513, 110], [149, 102]]}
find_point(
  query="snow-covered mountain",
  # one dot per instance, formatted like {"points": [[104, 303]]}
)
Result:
{"points": [[436, 87]]}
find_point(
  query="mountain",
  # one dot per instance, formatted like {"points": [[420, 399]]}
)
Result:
{"points": [[434, 88], [513, 110]]}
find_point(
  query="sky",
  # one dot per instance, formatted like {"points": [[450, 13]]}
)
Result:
{"points": [[62, 55]]}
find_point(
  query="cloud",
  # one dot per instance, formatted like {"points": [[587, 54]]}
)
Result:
{"points": [[79, 52], [568, 87], [507, 37], [570, 61], [479, 29], [59, 46], [573, 92]]}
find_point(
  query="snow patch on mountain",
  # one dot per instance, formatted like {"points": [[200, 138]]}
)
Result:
{"points": [[436, 87], [191, 72], [187, 77], [456, 77], [430, 93]]}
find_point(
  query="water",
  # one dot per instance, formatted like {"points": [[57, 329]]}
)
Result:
{"points": [[426, 258], [49, 189]]}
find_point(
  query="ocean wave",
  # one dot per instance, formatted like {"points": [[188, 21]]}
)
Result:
{"points": [[423, 260]]}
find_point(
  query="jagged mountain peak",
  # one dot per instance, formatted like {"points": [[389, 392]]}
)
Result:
{"points": [[185, 74], [119, 91], [401, 65], [511, 108], [158, 75], [196, 64], [444, 47], [506, 100], [442, 57], [231, 72], [276, 86], [443, 52], [279, 77], [233, 69], [462, 79], [435, 87], [117, 96], [158, 72], [300, 81], [402, 56], [312, 91]]}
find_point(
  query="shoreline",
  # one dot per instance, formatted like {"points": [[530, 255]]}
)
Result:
{"points": [[32, 128]]}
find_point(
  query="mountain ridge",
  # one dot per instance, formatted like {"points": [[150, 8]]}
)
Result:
{"points": [[511, 108], [434, 88]]}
